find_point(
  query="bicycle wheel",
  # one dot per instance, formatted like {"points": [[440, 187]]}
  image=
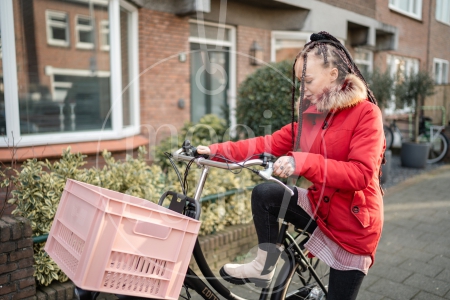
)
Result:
{"points": [[438, 148], [389, 136], [295, 281]]}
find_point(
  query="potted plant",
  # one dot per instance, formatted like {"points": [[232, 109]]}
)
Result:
{"points": [[382, 86], [411, 91]]}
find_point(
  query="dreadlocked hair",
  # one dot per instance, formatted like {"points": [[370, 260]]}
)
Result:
{"points": [[335, 55]]}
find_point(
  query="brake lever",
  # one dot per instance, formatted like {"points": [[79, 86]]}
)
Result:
{"points": [[267, 175]]}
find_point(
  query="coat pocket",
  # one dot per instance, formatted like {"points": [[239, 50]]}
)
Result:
{"points": [[322, 201], [359, 209]]}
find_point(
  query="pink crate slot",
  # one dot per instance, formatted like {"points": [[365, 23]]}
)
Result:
{"points": [[115, 243]]}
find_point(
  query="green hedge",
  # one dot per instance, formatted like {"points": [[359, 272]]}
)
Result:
{"points": [[264, 99]]}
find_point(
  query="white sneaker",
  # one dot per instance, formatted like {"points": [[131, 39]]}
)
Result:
{"points": [[250, 272]]}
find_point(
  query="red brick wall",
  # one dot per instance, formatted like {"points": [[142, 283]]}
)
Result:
{"points": [[16, 259], [363, 7], [439, 43], [413, 34], [245, 36], [164, 79]]}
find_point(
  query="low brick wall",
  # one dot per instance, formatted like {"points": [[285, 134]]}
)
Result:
{"points": [[16, 259], [223, 247]]}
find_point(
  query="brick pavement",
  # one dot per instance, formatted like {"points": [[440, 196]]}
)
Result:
{"points": [[413, 258]]}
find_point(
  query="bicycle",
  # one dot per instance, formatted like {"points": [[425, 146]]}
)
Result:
{"points": [[428, 133], [298, 276], [393, 135], [433, 135]]}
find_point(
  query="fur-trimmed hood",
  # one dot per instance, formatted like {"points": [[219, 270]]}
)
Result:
{"points": [[351, 92]]}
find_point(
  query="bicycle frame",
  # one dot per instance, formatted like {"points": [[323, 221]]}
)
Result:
{"points": [[434, 131], [286, 241], [195, 283]]}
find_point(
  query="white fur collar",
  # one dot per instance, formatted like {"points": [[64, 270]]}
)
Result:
{"points": [[351, 92]]}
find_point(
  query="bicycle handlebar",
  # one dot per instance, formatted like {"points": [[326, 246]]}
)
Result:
{"points": [[265, 174]]}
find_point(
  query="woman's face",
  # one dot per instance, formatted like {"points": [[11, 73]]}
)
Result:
{"points": [[317, 78]]}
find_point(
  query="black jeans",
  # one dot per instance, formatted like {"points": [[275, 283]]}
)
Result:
{"points": [[267, 200]]}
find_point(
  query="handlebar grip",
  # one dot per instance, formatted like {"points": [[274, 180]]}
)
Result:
{"points": [[196, 154]]}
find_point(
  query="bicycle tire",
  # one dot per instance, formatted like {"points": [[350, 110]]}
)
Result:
{"points": [[303, 283], [389, 136], [295, 282], [438, 149]]}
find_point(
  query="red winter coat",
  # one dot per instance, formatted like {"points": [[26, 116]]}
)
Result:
{"points": [[342, 145]]}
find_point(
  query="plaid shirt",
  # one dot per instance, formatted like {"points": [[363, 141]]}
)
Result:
{"points": [[327, 250]]}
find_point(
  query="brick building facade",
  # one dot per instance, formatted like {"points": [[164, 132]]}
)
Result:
{"points": [[147, 90]]}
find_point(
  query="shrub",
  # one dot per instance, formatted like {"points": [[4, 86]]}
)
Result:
{"points": [[382, 86], [411, 90], [39, 186], [216, 214], [264, 99], [210, 129], [223, 210]]}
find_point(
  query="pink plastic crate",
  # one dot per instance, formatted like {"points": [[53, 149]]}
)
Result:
{"points": [[115, 243]]}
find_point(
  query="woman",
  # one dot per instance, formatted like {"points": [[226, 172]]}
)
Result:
{"points": [[338, 145]]}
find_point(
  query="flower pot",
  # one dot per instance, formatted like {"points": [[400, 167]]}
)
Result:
{"points": [[386, 168], [414, 155]]}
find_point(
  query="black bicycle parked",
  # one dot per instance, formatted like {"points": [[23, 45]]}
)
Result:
{"points": [[428, 133], [297, 276]]}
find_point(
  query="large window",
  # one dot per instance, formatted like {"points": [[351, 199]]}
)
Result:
{"points": [[78, 93], [411, 8], [57, 28], [440, 67], [213, 70], [443, 11], [399, 67]]}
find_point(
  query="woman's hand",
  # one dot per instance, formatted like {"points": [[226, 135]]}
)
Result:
{"points": [[203, 150], [284, 166]]}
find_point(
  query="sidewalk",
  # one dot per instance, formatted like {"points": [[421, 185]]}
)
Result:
{"points": [[413, 258]]}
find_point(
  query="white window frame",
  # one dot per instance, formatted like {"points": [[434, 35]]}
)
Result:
{"points": [[368, 62], [11, 84], [84, 28], [233, 74], [102, 32], [442, 7], [51, 71], [414, 12], [412, 64], [49, 24], [289, 35], [285, 35], [444, 64]]}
